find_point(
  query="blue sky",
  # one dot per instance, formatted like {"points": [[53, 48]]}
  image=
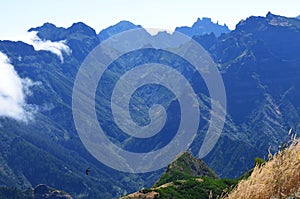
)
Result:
{"points": [[18, 16]]}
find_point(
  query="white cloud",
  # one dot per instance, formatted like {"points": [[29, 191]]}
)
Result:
{"points": [[56, 48], [13, 92]]}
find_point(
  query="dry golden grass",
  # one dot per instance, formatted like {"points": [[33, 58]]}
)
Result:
{"points": [[278, 178]]}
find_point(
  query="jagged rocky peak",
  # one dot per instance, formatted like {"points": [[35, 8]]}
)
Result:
{"points": [[277, 20], [205, 20], [203, 26]]}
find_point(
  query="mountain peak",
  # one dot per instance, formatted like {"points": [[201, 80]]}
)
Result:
{"points": [[205, 20], [187, 163], [81, 27], [117, 28], [277, 20], [255, 23], [203, 26], [48, 31], [270, 15], [125, 23], [185, 166], [46, 25]]}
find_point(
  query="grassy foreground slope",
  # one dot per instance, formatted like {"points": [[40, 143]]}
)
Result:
{"points": [[277, 178]]}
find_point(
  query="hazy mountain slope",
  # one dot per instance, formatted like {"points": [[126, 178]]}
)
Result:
{"points": [[47, 149]]}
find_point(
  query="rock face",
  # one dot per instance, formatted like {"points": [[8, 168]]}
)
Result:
{"points": [[44, 192]]}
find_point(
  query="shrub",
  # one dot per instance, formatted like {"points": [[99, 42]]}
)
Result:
{"points": [[259, 161]]}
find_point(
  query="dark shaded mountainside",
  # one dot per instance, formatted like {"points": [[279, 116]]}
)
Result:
{"points": [[259, 62]]}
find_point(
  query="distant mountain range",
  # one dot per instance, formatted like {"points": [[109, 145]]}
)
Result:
{"points": [[200, 27], [259, 62]]}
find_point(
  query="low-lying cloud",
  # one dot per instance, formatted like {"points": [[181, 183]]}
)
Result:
{"points": [[57, 47], [13, 92]]}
